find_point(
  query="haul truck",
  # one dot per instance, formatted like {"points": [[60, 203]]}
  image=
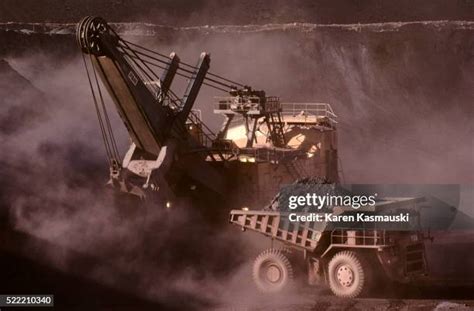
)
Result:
{"points": [[350, 259]]}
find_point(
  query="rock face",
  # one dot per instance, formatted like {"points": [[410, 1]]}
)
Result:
{"points": [[201, 12], [18, 111], [16, 114]]}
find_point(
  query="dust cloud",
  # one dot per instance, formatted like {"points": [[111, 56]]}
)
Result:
{"points": [[53, 188], [404, 101]]}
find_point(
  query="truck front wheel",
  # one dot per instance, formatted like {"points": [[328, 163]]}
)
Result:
{"points": [[272, 271], [347, 274]]}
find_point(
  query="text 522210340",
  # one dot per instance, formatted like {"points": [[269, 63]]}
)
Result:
{"points": [[26, 300]]}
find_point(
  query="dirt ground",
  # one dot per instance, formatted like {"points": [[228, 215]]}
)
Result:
{"points": [[319, 299]]}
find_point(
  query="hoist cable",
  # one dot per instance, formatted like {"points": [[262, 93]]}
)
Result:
{"points": [[106, 117], [183, 75], [99, 116], [187, 65], [139, 67], [185, 70], [138, 58]]}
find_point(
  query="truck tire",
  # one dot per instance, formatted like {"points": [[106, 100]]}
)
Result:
{"points": [[272, 271], [347, 274]]}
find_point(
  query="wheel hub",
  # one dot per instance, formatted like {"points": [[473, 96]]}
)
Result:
{"points": [[345, 275], [273, 274]]}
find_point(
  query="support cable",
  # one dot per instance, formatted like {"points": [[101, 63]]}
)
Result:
{"points": [[188, 77], [113, 143], [185, 64], [99, 115]]}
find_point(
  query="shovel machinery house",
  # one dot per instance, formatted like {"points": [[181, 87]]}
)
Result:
{"points": [[263, 143]]}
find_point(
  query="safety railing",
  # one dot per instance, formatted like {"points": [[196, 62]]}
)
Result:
{"points": [[272, 155], [277, 226], [206, 134], [358, 238], [309, 109]]}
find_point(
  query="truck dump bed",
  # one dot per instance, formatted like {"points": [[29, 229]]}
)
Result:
{"points": [[306, 235], [277, 226]]}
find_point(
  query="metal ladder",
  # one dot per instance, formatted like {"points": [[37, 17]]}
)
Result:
{"points": [[276, 129]]}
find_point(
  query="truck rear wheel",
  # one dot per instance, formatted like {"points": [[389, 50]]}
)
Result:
{"points": [[347, 275], [272, 271]]}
